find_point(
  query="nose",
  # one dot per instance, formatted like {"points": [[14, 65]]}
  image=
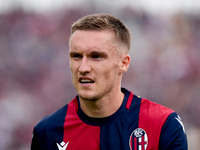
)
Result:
{"points": [[84, 66]]}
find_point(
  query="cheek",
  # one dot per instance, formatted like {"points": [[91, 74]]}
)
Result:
{"points": [[111, 72], [73, 72], [73, 67]]}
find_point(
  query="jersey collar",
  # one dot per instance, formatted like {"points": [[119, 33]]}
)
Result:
{"points": [[106, 120]]}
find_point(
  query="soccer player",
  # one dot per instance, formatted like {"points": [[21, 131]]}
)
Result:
{"points": [[105, 116]]}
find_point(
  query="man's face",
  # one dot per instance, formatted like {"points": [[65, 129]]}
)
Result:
{"points": [[95, 64]]}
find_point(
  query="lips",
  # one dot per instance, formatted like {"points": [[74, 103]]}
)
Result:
{"points": [[85, 80]]}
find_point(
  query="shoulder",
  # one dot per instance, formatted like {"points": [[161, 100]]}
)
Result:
{"points": [[173, 134], [52, 120], [44, 132], [154, 110], [55, 119], [163, 125]]}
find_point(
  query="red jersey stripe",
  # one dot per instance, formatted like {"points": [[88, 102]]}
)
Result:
{"points": [[80, 135], [129, 101], [151, 119]]}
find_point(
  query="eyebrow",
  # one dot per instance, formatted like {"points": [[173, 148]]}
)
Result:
{"points": [[98, 53], [73, 53], [104, 54]]}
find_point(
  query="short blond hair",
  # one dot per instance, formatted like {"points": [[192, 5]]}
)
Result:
{"points": [[99, 22]]}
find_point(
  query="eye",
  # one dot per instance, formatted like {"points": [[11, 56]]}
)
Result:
{"points": [[96, 56], [75, 55]]}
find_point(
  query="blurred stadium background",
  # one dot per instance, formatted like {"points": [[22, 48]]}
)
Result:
{"points": [[34, 70]]}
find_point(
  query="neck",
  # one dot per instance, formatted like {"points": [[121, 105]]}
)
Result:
{"points": [[103, 107]]}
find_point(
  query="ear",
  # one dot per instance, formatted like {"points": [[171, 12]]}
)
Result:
{"points": [[125, 63]]}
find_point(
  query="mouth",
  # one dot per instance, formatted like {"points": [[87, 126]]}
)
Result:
{"points": [[85, 80]]}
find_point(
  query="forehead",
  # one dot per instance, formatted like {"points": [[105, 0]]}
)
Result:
{"points": [[100, 33], [92, 39]]}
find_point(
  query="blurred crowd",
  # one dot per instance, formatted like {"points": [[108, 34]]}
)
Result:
{"points": [[35, 79]]}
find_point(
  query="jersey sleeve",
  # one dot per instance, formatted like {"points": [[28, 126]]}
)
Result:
{"points": [[35, 144], [173, 135]]}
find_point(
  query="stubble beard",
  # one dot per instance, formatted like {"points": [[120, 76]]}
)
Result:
{"points": [[89, 97]]}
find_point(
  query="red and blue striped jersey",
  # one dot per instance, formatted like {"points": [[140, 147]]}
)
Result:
{"points": [[139, 124]]}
